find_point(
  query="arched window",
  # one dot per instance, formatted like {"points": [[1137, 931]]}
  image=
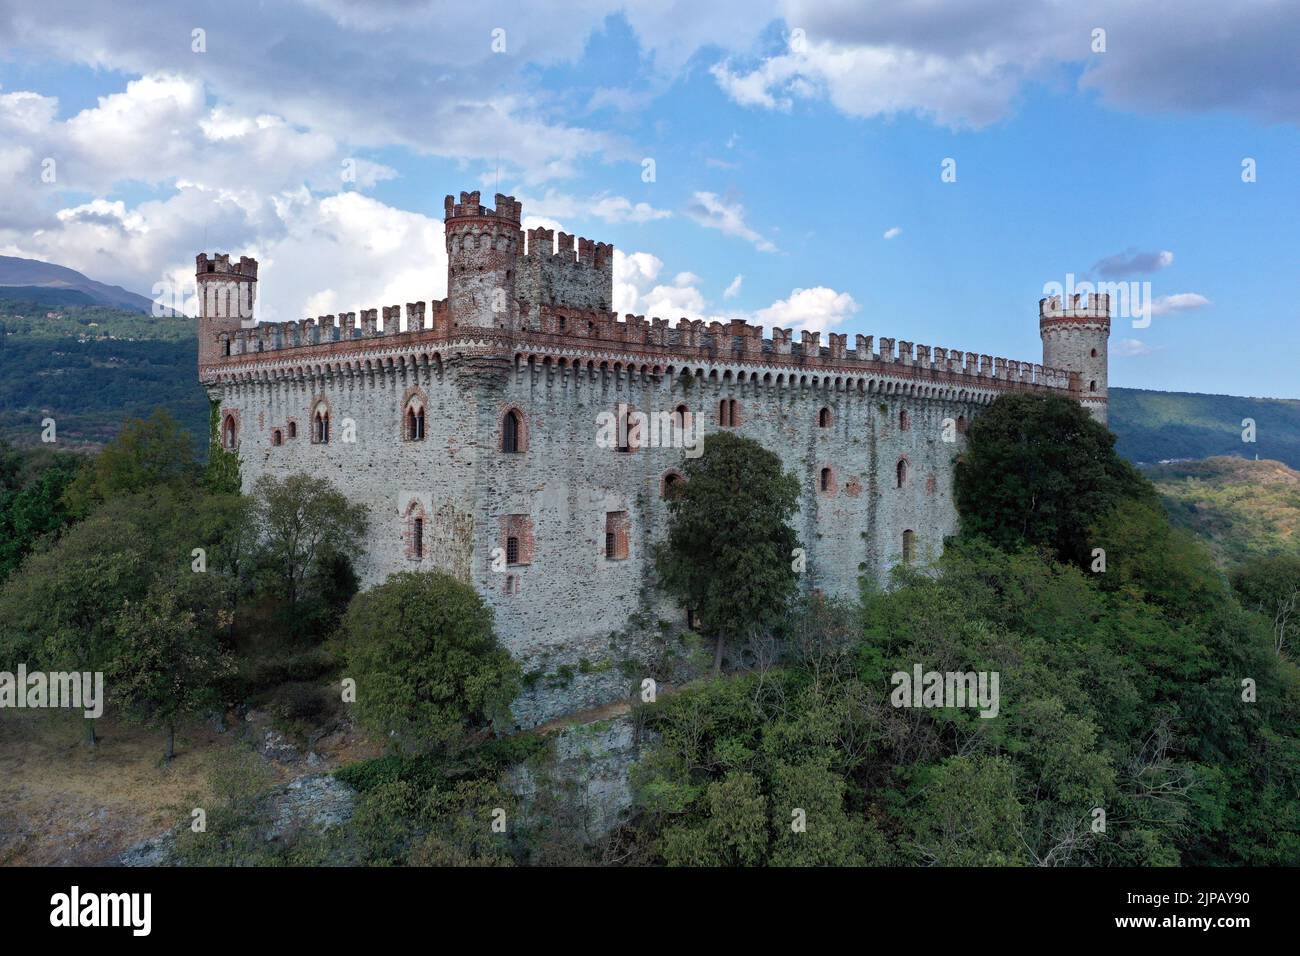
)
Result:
{"points": [[277, 437], [414, 430], [227, 343], [826, 479], [628, 437], [512, 432], [293, 429], [904, 423], [824, 418], [681, 418], [670, 484], [728, 413], [229, 433], [902, 471], [560, 323], [417, 538], [1092, 386], [909, 546], [1094, 353], [321, 426]]}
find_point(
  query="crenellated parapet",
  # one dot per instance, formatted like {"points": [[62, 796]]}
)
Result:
{"points": [[600, 336]]}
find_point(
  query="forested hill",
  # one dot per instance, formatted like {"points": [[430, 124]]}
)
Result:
{"points": [[1160, 426]]}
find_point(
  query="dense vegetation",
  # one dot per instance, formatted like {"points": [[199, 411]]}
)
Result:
{"points": [[90, 367], [1143, 696], [1146, 711], [1243, 509], [1157, 426]]}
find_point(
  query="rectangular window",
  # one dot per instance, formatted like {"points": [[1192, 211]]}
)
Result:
{"points": [[615, 535], [417, 536], [512, 550]]}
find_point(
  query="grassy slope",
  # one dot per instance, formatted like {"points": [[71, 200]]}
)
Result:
{"points": [[1242, 508]]}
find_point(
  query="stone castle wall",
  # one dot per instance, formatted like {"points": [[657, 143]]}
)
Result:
{"points": [[581, 621]]}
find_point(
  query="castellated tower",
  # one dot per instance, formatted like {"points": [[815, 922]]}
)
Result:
{"points": [[1074, 339], [227, 293], [483, 248]]}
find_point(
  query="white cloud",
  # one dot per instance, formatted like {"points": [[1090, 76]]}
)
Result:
{"points": [[713, 212], [608, 208], [811, 310], [893, 232], [733, 290], [1178, 302]]}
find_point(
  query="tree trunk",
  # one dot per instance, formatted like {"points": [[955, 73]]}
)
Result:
{"points": [[90, 732], [717, 656], [171, 742]]}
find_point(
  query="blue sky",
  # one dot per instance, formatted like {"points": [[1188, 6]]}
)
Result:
{"points": [[795, 145]]}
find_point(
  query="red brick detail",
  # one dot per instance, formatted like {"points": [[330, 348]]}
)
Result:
{"points": [[519, 527], [616, 536], [415, 536], [853, 487], [827, 485], [521, 433], [931, 485], [230, 428], [671, 476], [320, 403], [902, 470]]}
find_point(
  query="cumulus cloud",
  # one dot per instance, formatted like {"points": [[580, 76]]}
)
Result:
{"points": [[603, 206], [811, 310], [966, 64], [712, 212], [893, 232], [1178, 302], [733, 289], [1133, 263]]}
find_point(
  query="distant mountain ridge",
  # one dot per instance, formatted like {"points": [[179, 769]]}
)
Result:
{"points": [[30, 280], [1151, 427]]}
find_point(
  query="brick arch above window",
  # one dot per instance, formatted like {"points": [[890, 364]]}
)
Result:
{"points": [[512, 431], [320, 417], [672, 479], [901, 469], [415, 531], [230, 429], [826, 482]]}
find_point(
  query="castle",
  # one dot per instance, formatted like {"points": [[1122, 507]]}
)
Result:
{"points": [[475, 437]]}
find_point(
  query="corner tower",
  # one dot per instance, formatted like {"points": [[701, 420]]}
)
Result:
{"points": [[1074, 336], [483, 246], [227, 292]]}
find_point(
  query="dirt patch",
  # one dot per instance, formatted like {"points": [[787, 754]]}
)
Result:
{"points": [[63, 804]]}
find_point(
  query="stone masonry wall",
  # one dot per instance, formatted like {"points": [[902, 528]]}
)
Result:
{"points": [[565, 612]]}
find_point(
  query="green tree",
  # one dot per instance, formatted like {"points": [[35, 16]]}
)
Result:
{"points": [[168, 659], [145, 453], [1271, 587], [32, 486], [429, 670], [304, 521], [729, 550], [1039, 471], [58, 611]]}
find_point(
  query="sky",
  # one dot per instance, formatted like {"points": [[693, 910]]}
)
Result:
{"points": [[924, 170]]}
